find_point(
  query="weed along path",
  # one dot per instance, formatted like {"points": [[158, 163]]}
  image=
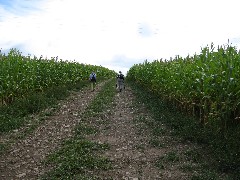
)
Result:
{"points": [[126, 145], [129, 152], [103, 134], [134, 152], [24, 159]]}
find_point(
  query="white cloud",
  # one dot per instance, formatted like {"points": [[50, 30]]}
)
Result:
{"points": [[99, 32]]}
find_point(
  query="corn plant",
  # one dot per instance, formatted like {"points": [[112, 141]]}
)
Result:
{"points": [[204, 85], [21, 75]]}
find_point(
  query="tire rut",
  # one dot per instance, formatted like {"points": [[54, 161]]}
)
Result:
{"points": [[24, 158], [131, 154]]}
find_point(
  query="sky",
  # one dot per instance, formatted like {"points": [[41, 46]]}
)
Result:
{"points": [[117, 33]]}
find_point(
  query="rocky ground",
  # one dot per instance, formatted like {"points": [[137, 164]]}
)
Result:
{"points": [[23, 160], [131, 151], [134, 151]]}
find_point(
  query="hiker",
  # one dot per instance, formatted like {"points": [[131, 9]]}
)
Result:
{"points": [[93, 80], [120, 81]]}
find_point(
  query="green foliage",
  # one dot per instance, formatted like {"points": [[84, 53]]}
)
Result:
{"points": [[170, 157], [28, 85], [156, 143], [83, 129], [58, 93], [76, 157], [206, 175], [13, 115], [79, 155], [194, 155], [103, 99], [21, 75], [223, 152], [205, 85], [2, 147], [204, 88]]}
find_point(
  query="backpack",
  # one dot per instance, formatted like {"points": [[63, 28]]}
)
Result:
{"points": [[93, 77], [121, 76]]}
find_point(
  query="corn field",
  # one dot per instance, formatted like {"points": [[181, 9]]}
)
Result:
{"points": [[21, 75], [204, 85]]}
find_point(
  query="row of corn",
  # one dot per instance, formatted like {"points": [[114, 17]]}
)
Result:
{"points": [[206, 85], [21, 75]]}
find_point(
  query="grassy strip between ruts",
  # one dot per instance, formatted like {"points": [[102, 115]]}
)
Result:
{"points": [[218, 155], [29, 112], [14, 115], [78, 156], [21, 112]]}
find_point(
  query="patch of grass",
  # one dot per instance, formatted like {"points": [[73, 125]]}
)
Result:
{"points": [[78, 85], [160, 163], [83, 129], [172, 157], [78, 156], [188, 167], [158, 131], [155, 142], [2, 148], [206, 175], [223, 151], [57, 93], [21, 111], [163, 161], [193, 155], [8, 123], [103, 98], [13, 115]]}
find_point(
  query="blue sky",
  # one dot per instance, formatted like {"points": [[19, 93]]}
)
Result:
{"points": [[117, 33]]}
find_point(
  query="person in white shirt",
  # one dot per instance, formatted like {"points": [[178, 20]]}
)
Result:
{"points": [[120, 81]]}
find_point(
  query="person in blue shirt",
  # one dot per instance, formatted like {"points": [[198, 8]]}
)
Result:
{"points": [[93, 80]]}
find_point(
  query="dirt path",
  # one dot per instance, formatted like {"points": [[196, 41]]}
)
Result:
{"points": [[132, 154], [23, 160]]}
